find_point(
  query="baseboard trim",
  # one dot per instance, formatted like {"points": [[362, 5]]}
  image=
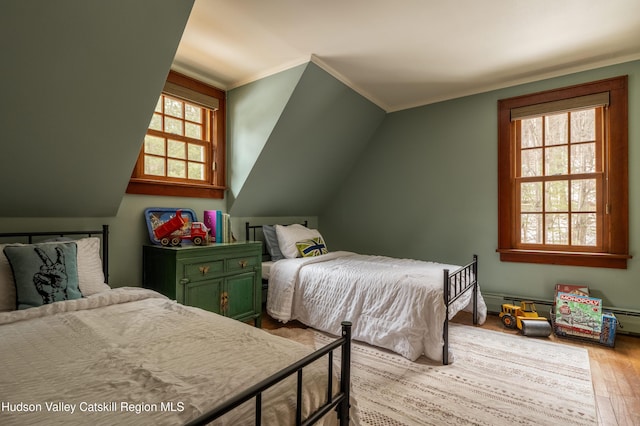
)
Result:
{"points": [[628, 319]]}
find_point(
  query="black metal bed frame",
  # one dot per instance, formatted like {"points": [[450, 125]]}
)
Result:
{"points": [[456, 284], [339, 401], [103, 233]]}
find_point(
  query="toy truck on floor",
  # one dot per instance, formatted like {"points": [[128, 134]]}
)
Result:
{"points": [[172, 233], [526, 319]]}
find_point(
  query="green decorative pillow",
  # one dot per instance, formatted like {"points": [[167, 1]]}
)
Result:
{"points": [[312, 247], [44, 273]]}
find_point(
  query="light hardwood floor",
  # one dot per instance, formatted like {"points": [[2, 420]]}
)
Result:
{"points": [[615, 372]]}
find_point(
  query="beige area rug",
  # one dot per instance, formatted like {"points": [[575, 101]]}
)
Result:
{"points": [[496, 379]]}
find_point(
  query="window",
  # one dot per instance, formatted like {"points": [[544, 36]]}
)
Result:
{"points": [[562, 176], [183, 152]]}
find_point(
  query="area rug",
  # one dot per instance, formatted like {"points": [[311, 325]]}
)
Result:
{"points": [[496, 378]]}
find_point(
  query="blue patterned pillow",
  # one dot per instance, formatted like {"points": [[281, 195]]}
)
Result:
{"points": [[312, 247], [44, 273]]}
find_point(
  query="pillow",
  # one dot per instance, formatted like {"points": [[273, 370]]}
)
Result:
{"points": [[271, 240], [312, 247], [289, 235], [7, 285], [90, 274], [90, 271], [44, 273]]}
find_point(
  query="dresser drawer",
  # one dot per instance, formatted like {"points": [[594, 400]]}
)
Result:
{"points": [[204, 269], [242, 263]]}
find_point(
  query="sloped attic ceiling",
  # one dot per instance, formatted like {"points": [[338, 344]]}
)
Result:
{"points": [[318, 127], [79, 82]]}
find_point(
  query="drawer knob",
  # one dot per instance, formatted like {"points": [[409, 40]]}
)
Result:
{"points": [[224, 302], [243, 263], [204, 269]]}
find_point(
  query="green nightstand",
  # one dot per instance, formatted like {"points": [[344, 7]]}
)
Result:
{"points": [[225, 278]]}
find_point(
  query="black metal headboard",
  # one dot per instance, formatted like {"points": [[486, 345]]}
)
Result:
{"points": [[103, 234]]}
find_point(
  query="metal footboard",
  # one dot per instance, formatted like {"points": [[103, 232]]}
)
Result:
{"points": [[455, 285], [338, 402]]}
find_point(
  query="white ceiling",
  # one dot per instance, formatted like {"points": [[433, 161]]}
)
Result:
{"points": [[406, 53]]}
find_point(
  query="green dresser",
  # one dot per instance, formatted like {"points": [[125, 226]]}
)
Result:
{"points": [[225, 278]]}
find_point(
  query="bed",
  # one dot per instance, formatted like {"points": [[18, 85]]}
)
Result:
{"points": [[403, 305], [132, 356]]}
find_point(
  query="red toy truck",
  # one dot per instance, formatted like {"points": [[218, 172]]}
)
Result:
{"points": [[171, 231]]}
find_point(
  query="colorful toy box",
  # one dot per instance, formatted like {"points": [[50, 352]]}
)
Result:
{"points": [[577, 315]]}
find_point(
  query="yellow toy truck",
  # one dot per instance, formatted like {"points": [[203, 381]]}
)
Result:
{"points": [[526, 319]]}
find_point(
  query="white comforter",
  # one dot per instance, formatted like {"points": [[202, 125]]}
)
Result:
{"points": [[131, 356], [393, 303]]}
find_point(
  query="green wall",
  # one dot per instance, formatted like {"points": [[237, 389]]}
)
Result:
{"points": [[252, 112], [307, 150], [426, 188], [79, 81]]}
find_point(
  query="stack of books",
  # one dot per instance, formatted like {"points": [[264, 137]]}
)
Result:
{"points": [[219, 225]]}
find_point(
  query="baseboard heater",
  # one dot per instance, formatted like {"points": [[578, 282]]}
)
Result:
{"points": [[628, 319]]}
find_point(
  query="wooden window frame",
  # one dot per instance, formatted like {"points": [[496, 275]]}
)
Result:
{"points": [[215, 187], [614, 251]]}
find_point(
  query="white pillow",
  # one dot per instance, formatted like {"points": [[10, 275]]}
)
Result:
{"points": [[289, 235], [7, 285], [90, 274]]}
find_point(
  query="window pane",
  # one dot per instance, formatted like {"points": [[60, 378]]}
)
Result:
{"points": [[153, 165], [531, 197], [556, 161], [556, 196], [193, 113], [177, 168], [172, 107], [153, 145], [172, 125], [583, 158], [196, 171], [531, 228], [531, 162], [557, 229], [583, 195], [193, 130], [556, 129], [196, 152], [156, 122], [177, 149], [159, 105], [531, 132], [583, 229], [583, 125]]}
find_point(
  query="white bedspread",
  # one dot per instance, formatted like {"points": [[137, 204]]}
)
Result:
{"points": [[396, 304], [131, 356]]}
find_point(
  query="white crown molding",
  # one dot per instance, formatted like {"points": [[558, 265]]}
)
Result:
{"points": [[525, 80], [269, 72], [322, 64]]}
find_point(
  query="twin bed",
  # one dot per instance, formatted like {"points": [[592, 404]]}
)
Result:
{"points": [[132, 356], [402, 305]]}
